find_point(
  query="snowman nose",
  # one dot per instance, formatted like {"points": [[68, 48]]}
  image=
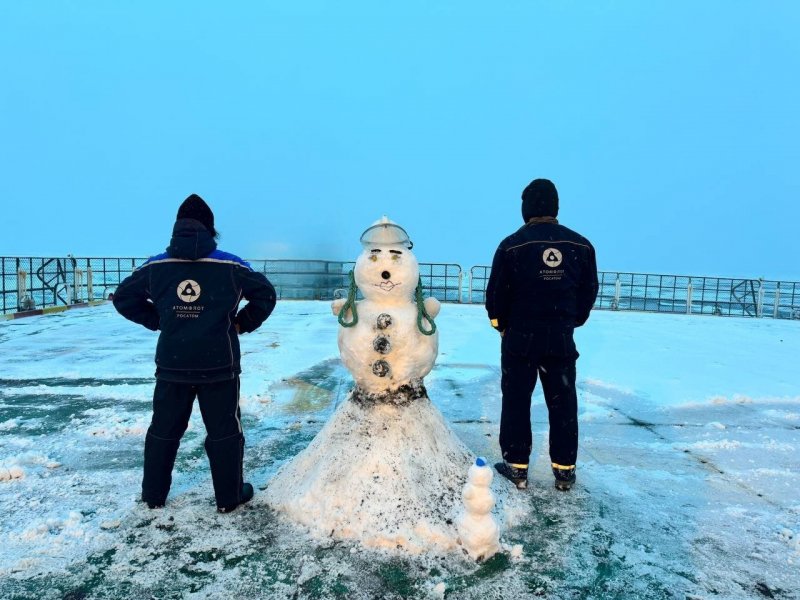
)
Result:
{"points": [[386, 275]]}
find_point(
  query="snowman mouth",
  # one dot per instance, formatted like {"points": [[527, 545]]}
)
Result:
{"points": [[386, 286]]}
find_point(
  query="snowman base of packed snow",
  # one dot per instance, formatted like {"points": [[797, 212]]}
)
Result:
{"points": [[382, 474], [385, 470]]}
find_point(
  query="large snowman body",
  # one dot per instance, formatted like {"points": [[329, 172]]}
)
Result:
{"points": [[385, 470], [386, 350]]}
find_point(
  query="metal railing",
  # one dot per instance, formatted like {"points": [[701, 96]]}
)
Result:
{"points": [[325, 280], [304, 279], [681, 294], [41, 282], [29, 282]]}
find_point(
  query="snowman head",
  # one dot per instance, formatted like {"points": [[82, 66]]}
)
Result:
{"points": [[386, 270]]}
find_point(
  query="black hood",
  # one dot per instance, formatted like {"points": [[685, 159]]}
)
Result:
{"points": [[190, 240]]}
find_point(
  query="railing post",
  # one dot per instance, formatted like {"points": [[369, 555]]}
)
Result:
{"points": [[78, 284], [760, 299], [23, 301], [89, 285], [460, 285], [775, 311], [689, 298], [617, 294], [21, 286]]}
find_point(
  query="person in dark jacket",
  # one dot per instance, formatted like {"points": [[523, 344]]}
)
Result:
{"points": [[191, 293], [542, 286]]}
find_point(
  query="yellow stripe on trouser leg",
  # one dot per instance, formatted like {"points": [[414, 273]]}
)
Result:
{"points": [[518, 466], [494, 322], [563, 467]]}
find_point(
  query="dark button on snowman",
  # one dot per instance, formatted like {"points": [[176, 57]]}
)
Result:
{"points": [[387, 340]]}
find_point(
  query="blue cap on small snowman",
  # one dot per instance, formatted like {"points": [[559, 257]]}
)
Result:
{"points": [[480, 462], [386, 233]]}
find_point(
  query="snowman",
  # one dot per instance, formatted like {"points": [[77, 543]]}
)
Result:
{"points": [[386, 471], [388, 340], [480, 534]]}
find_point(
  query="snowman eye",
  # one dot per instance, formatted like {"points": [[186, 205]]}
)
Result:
{"points": [[395, 257], [374, 257]]}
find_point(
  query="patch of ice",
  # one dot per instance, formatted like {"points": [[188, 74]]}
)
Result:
{"points": [[9, 425], [715, 445], [118, 431], [22, 565], [108, 423], [308, 571], [609, 386], [774, 472], [781, 447], [741, 399], [57, 530]]}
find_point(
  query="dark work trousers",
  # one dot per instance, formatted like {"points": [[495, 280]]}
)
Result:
{"points": [[549, 353], [172, 407]]}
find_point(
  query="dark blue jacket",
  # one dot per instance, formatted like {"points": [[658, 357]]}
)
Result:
{"points": [[543, 275], [192, 294]]}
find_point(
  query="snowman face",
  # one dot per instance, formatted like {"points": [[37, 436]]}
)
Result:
{"points": [[387, 272]]}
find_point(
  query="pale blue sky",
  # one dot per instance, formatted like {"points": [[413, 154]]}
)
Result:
{"points": [[671, 129]]}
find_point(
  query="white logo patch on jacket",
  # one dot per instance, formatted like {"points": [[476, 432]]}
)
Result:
{"points": [[552, 258], [188, 290]]}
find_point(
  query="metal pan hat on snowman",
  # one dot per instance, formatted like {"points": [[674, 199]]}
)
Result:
{"points": [[384, 232]]}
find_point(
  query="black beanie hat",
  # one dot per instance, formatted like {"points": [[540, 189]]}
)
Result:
{"points": [[194, 207], [539, 199]]}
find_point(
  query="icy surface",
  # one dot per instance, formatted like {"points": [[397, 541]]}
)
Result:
{"points": [[687, 475]]}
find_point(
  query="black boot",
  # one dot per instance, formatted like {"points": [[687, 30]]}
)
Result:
{"points": [[245, 495], [159, 459], [516, 474], [565, 477]]}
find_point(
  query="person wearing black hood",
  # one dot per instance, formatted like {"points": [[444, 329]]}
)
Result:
{"points": [[542, 286], [191, 293]]}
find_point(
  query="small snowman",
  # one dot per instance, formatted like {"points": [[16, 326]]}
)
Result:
{"points": [[388, 340], [477, 529]]}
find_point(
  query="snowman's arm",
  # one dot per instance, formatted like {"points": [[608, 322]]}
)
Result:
{"points": [[432, 306], [336, 306]]}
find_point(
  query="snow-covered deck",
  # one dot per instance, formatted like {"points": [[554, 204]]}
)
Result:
{"points": [[687, 477]]}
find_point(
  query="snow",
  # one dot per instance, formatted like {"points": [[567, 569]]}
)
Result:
{"points": [[386, 333], [667, 505], [383, 475], [478, 531]]}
